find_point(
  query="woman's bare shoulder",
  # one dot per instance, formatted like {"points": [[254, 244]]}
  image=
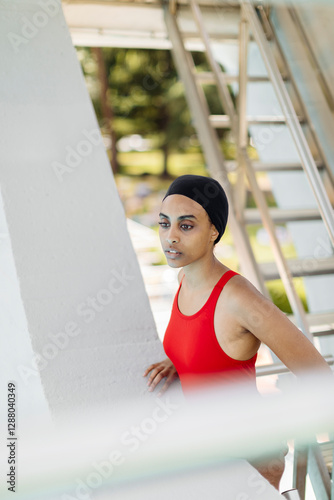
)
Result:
{"points": [[240, 291], [240, 283]]}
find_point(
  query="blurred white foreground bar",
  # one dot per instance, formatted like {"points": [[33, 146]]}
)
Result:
{"points": [[167, 448]]}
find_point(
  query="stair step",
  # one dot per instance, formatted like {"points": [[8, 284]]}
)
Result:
{"points": [[280, 215], [323, 333], [223, 121], [300, 267], [208, 78], [321, 324], [272, 167], [193, 36], [278, 368], [326, 449]]}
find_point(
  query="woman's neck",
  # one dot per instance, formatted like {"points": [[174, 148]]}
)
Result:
{"points": [[203, 273]]}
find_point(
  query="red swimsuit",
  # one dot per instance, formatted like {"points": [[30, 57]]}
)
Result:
{"points": [[191, 344]]}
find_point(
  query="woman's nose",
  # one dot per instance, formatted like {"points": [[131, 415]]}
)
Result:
{"points": [[172, 238]]}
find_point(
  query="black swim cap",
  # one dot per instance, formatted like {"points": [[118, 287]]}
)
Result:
{"points": [[208, 193]]}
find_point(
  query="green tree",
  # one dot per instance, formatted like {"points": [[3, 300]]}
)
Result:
{"points": [[144, 96], [147, 97]]}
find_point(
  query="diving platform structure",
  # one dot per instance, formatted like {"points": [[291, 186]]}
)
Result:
{"points": [[77, 328]]}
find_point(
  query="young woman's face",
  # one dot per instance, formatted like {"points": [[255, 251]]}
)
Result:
{"points": [[186, 232]]}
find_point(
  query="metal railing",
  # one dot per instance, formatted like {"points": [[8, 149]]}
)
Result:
{"points": [[292, 120]]}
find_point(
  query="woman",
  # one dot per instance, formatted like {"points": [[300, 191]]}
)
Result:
{"points": [[219, 319]]}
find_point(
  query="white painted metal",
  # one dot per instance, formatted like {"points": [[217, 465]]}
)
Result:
{"points": [[259, 166], [89, 321], [134, 24], [207, 77], [223, 121], [279, 368], [300, 267], [242, 131], [253, 215]]}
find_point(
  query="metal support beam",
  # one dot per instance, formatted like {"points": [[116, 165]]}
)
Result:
{"points": [[242, 138], [173, 6], [319, 474], [300, 469], [243, 73], [332, 490], [223, 91]]}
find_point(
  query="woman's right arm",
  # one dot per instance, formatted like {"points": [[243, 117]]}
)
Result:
{"points": [[163, 369]]}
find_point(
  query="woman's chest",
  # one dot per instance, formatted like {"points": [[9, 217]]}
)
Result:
{"points": [[191, 303]]}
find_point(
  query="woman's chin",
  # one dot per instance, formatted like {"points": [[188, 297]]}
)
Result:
{"points": [[174, 264]]}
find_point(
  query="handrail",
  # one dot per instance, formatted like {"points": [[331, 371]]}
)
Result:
{"points": [[316, 66], [298, 136], [288, 75]]}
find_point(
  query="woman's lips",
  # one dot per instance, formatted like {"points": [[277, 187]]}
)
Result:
{"points": [[170, 252]]}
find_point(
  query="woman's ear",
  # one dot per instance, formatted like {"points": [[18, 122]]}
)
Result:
{"points": [[214, 233]]}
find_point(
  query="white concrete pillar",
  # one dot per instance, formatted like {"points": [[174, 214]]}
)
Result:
{"points": [[88, 330]]}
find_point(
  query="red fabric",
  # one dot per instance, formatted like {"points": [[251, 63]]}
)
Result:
{"points": [[191, 344]]}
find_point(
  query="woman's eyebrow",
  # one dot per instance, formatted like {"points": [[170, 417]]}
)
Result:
{"points": [[163, 215], [182, 217], [187, 217]]}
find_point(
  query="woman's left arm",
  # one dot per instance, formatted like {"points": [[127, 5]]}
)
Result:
{"points": [[271, 326]]}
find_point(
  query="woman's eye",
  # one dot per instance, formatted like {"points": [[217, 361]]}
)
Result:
{"points": [[163, 224], [186, 227]]}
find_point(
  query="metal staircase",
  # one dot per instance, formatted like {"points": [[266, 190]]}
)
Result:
{"points": [[255, 25]]}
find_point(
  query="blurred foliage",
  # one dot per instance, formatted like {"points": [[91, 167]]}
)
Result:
{"points": [[150, 162], [279, 296], [147, 97]]}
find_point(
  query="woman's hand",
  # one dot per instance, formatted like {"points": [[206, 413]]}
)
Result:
{"points": [[163, 369]]}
